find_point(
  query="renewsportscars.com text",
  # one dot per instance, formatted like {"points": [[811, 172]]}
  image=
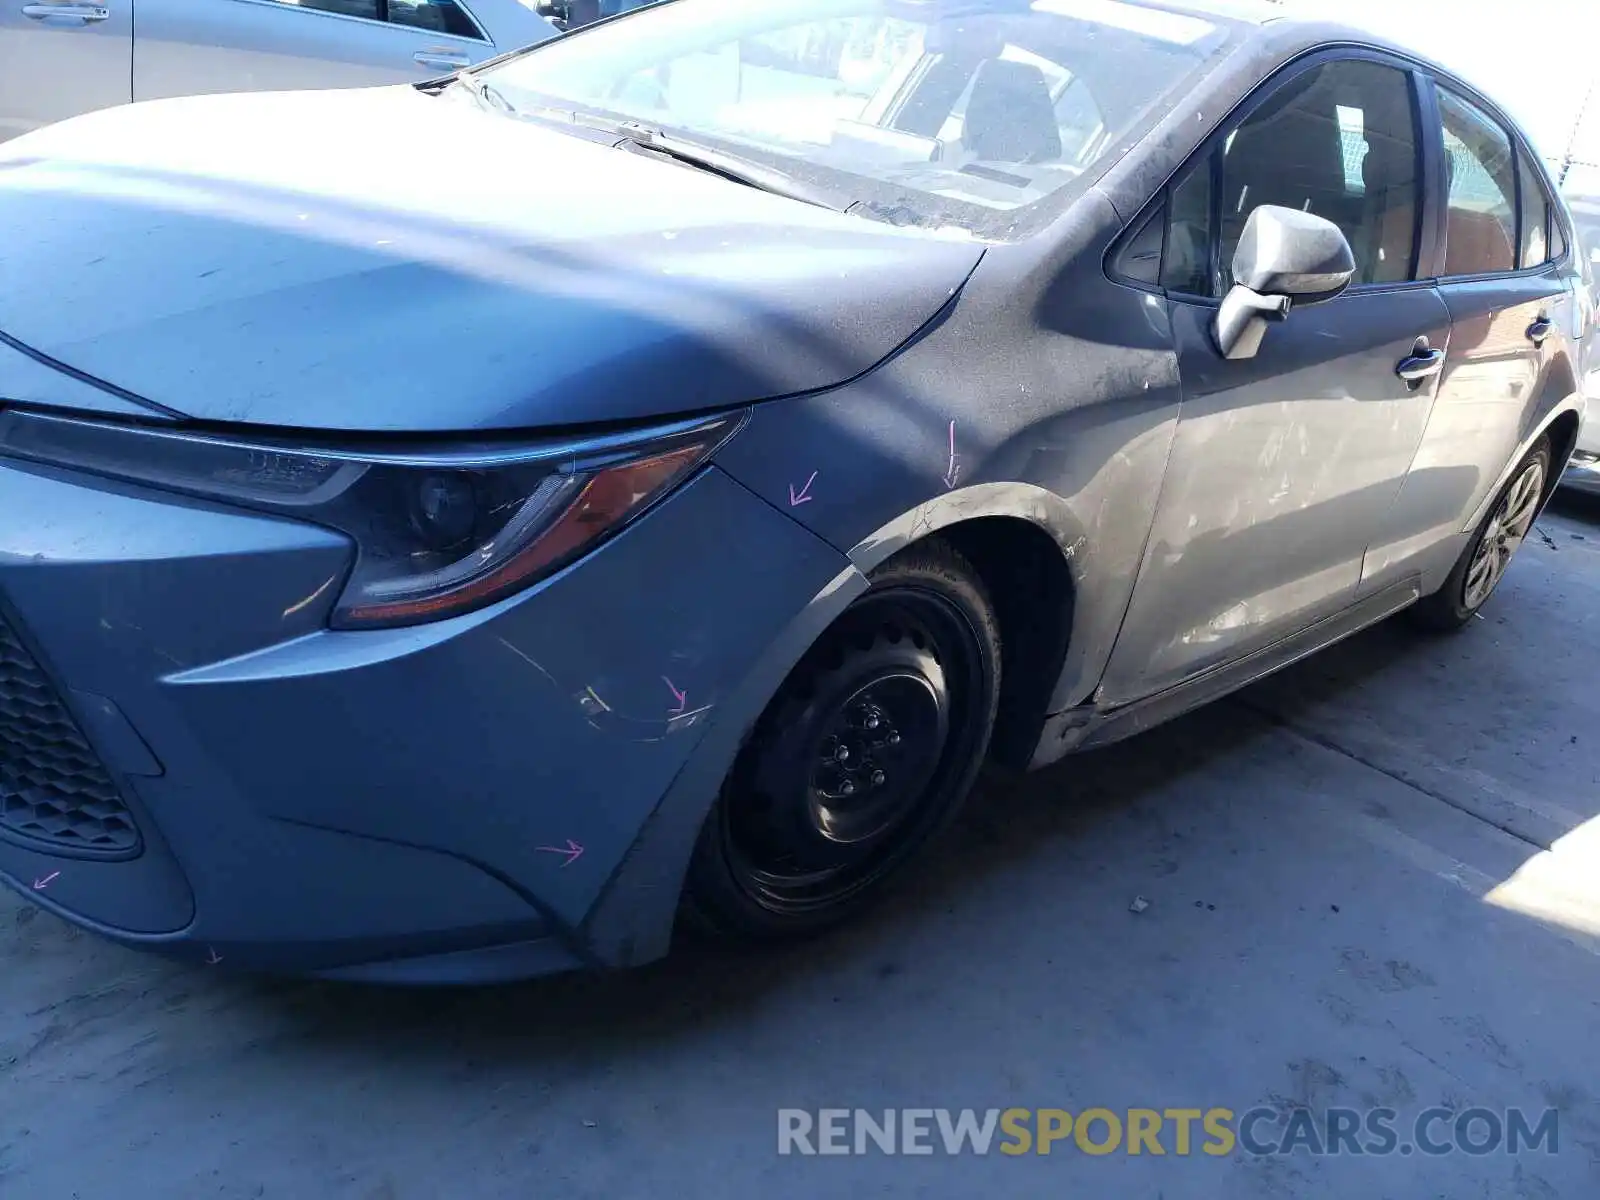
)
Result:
{"points": [[1181, 1132]]}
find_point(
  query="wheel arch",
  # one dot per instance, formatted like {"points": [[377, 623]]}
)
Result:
{"points": [[632, 921], [1027, 547], [1562, 421]]}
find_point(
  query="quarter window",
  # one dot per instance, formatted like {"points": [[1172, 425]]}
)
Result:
{"points": [[1481, 221], [1187, 265], [1535, 216]]}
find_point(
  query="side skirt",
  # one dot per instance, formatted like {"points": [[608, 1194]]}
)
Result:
{"points": [[1087, 727]]}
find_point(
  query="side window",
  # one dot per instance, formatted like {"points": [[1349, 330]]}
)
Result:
{"points": [[1481, 222], [437, 16], [1140, 259], [345, 8], [1338, 141], [1535, 216], [1186, 266]]}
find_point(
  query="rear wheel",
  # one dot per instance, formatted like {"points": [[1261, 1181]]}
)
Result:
{"points": [[865, 753], [1483, 563]]}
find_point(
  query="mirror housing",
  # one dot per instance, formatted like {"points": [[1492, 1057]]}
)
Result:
{"points": [[1285, 257]]}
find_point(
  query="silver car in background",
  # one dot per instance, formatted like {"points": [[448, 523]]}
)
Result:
{"points": [[62, 58]]}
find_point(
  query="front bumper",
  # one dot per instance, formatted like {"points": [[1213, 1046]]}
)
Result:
{"points": [[448, 802]]}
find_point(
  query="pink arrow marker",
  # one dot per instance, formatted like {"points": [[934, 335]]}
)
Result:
{"points": [[681, 697], [573, 851], [796, 499], [39, 885], [212, 956]]}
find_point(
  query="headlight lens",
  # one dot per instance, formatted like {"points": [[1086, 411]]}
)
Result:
{"points": [[437, 534]]}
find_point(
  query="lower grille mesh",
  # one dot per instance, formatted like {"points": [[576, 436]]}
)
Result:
{"points": [[55, 793]]}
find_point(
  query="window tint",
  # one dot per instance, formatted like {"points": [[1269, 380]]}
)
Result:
{"points": [[1481, 224], [1338, 141], [1187, 266], [347, 8], [439, 16], [1535, 216]]}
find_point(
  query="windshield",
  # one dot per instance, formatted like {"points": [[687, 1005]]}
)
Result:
{"points": [[973, 113]]}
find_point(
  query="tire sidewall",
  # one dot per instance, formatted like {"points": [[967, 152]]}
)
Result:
{"points": [[1450, 600], [715, 900]]}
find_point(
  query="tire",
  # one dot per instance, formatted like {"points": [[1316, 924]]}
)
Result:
{"points": [[865, 755], [1483, 563]]}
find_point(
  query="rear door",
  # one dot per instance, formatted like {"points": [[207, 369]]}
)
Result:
{"points": [[59, 59], [1499, 274], [1284, 466], [189, 47]]}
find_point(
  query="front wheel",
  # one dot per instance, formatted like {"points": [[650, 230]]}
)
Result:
{"points": [[1483, 563], [865, 753]]}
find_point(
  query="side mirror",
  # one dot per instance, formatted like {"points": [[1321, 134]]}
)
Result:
{"points": [[1284, 257]]}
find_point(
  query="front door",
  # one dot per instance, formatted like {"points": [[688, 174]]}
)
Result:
{"points": [[59, 58], [1284, 466]]}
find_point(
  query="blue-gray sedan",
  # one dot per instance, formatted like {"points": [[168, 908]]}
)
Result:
{"points": [[455, 531]]}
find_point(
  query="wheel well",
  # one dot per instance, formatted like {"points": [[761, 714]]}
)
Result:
{"points": [[1027, 577], [1563, 435]]}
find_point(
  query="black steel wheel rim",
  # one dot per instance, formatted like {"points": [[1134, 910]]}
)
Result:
{"points": [[859, 757]]}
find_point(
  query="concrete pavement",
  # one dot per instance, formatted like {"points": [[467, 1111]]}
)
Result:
{"points": [[1369, 882]]}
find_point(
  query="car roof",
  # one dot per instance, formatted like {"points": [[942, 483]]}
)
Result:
{"points": [[1237, 12]]}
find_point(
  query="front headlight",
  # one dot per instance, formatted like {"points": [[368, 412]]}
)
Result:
{"points": [[437, 534]]}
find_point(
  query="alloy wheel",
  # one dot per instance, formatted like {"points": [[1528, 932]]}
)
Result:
{"points": [[1507, 528]]}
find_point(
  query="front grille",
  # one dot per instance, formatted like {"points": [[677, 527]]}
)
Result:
{"points": [[55, 793]]}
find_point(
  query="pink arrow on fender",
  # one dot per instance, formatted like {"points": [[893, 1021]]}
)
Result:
{"points": [[803, 496], [39, 885], [573, 851]]}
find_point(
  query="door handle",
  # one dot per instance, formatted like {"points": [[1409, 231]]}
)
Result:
{"points": [[442, 60], [1422, 363], [1540, 330], [85, 14]]}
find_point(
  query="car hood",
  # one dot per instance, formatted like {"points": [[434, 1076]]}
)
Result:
{"points": [[387, 260]]}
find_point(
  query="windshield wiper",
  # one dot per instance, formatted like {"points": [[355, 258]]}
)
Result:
{"points": [[484, 93], [650, 140]]}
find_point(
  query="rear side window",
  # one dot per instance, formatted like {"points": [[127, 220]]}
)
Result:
{"points": [[368, 9], [1481, 220], [437, 16]]}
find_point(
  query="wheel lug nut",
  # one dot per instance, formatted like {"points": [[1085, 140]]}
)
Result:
{"points": [[842, 753], [894, 739], [877, 778], [872, 722], [848, 787]]}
